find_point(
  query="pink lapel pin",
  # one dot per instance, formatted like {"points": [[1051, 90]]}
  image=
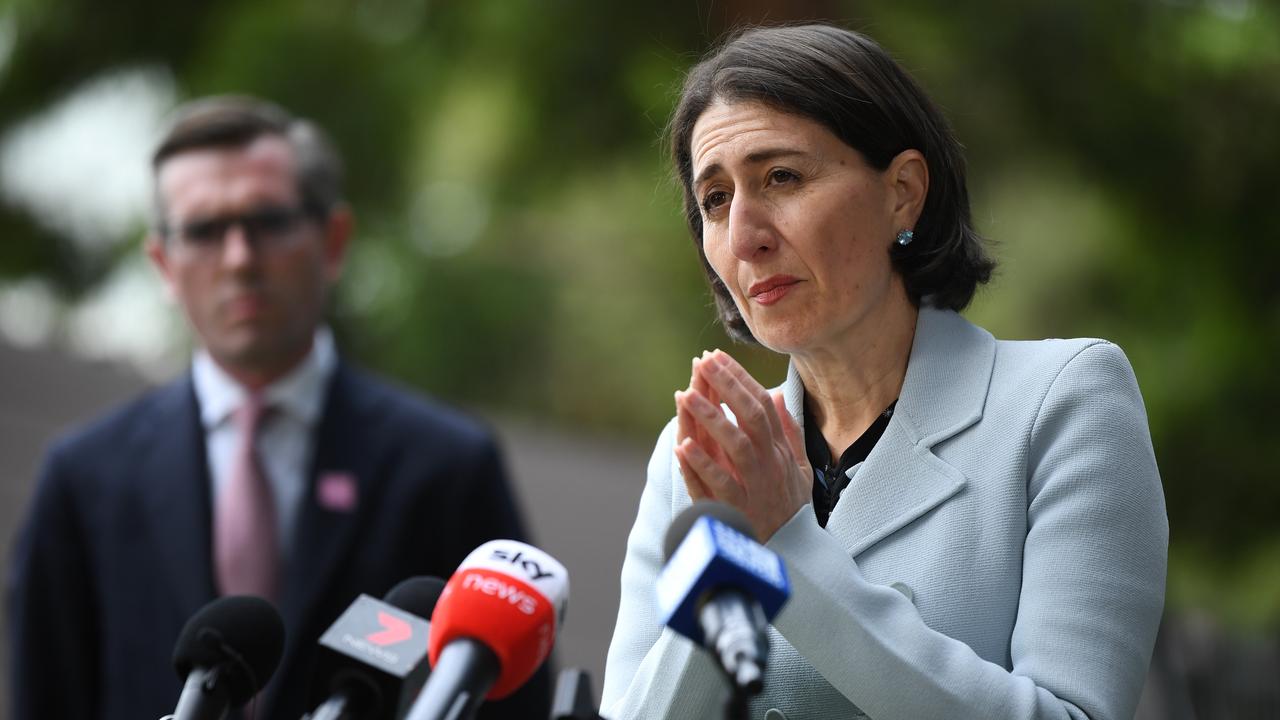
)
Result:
{"points": [[336, 491]]}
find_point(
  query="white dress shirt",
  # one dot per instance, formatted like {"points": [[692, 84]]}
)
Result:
{"points": [[287, 434]]}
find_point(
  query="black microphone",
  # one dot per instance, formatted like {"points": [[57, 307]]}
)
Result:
{"points": [[720, 588], [373, 658], [417, 595], [226, 653]]}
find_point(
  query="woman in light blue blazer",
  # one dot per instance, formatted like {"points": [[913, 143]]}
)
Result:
{"points": [[973, 528]]}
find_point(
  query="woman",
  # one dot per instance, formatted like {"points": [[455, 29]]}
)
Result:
{"points": [[984, 535]]}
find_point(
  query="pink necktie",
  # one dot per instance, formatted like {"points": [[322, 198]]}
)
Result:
{"points": [[245, 548]]}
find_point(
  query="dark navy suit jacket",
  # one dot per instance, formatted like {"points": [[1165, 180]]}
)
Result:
{"points": [[115, 553]]}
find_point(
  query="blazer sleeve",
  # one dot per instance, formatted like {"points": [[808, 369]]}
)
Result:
{"points": [[1092, 587], [53, 658]]}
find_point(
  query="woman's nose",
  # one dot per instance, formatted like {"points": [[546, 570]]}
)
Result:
{"points": [[751, 229]]}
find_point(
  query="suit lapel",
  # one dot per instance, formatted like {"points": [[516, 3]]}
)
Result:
{"points": [[943, 393], [172, 482], [326, 531]]}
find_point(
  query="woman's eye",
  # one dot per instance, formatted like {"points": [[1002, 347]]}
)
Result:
{"points": [[782, 176], [714, 200]]}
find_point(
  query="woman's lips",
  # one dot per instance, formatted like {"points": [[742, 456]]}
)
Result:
{"points": [[771, 290]]}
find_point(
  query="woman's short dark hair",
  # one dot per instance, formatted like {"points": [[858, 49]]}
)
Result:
{"points": [[232, 121], [849, 84]]}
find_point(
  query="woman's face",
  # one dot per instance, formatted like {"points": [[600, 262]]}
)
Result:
{"points": [[798, 226]]}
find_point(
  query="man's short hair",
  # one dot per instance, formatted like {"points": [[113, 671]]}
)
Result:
{"points": [[233, 121]]}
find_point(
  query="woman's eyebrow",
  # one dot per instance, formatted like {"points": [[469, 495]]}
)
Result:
{"points": [[753, 158]]}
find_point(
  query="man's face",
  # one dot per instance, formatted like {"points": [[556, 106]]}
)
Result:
{"points": [[251, 269]]}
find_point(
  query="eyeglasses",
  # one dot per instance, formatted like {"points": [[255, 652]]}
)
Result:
{"points": [[265, 227]]}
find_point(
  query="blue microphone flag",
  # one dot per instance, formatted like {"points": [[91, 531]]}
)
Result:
{"points": [[712, 556]]}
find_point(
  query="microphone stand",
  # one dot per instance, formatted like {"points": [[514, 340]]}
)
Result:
{"points": [[335, 708], [573, 698], [735, 708]]}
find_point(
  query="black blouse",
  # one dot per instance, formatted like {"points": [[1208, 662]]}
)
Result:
{"points": [[829, 480]]}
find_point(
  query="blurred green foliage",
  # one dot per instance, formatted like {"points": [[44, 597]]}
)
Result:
{"points": [[521, 246]]}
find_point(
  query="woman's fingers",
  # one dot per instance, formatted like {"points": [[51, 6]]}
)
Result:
{"points": [[718, 482], [722, 431], [695, 409], [748, 400], [755, 462], [753, 387], [698, 383], [685, 425], [692, 482]]}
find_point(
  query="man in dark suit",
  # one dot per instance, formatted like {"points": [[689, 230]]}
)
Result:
{"points": [[272, 468]]}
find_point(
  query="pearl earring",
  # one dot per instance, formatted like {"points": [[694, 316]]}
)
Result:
{"points": [[905, 237]]}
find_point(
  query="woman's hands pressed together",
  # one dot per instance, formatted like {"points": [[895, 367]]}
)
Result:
{"points": [[758, 465]]}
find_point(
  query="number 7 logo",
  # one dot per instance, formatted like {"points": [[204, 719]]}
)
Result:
{"points": [[394, 630]]}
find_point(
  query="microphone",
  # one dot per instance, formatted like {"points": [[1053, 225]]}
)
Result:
{"points": [[493, 627], [720, 588], [417, 595], [573, 699], [373, 657], [226, 653]]}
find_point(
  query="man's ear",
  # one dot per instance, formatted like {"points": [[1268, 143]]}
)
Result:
{"points": [[338, 229], [158, 253]]}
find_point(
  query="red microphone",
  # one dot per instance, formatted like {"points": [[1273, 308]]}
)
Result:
{"points": [[492, 628]]}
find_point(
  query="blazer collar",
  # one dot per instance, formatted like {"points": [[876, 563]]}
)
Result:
{"points": [[947, 377], [944, 391]]}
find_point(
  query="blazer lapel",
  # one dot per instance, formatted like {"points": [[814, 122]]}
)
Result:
{"points": [[330, 515], [899, 482], [943, 393], [172, 480]]}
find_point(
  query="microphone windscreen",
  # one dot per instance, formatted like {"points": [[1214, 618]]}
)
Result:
{"points": [[682, 523], [417, 595], [242, 634], [509, 596]]}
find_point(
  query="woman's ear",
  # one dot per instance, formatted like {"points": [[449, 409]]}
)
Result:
{"points": [[908, 176]]}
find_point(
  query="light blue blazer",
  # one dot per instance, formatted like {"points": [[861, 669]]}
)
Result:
{"points": [[1000, 553]]}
